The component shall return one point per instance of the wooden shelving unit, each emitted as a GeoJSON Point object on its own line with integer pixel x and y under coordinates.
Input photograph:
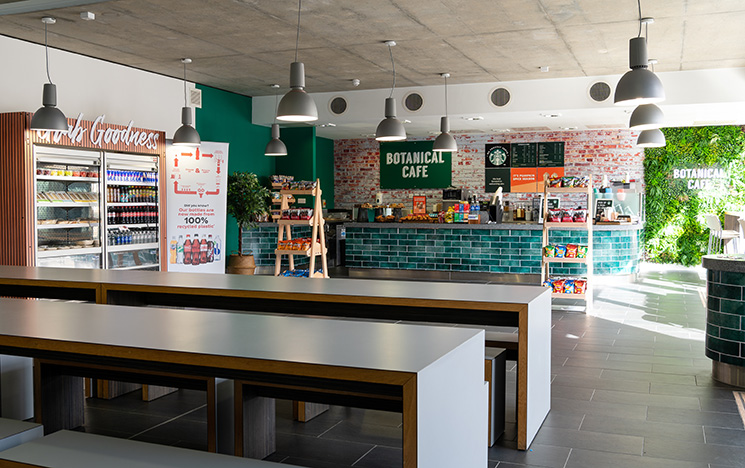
{"type": "Point", "coordinates": [316, 222]}
{"type": "Point", "coordinates": [587, 225]}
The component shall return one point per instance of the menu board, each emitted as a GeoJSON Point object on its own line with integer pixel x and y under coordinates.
{"type": "Point", "coordinates": [498, 177]}
{"type": "Point", "coordinates": [551, 154]}
{"type": "Point", "coordinates": [524, 154]}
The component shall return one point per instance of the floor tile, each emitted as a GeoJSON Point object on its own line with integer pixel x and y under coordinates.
{"type": "Point", "coordinates": [600, 441]}
{"type": "Point", "coordinates": [721, 436]}
{"type": "Point", "coordinates": [538, 455]}
{"type": "Point", "coordinates": [635, 427]}
{"type": "Point", "coordinates": [381, 457]}
{"type": "Point", "coordinates": [648, 377]}
{"type": "Point", "coordinates": [704, 453]}
{"type": "Point", "coordinates": [595, 459]}
{"type": "Point", "coordinates": [669, 401]}
{"type": "Point", "coordinates": [698, 418]}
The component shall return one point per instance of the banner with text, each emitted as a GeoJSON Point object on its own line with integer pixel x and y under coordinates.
{"type": "Point", "coordinates": [196, 191]}
{"type": "Point", "coordinates": [519, 167]}
{"type": "Point", "coordinates": [413, 164]}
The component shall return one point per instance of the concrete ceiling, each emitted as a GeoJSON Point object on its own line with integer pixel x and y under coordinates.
{"type": "Point", "coordinates": [244, 45]}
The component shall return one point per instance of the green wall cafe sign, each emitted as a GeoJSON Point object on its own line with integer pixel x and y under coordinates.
{"type": "Point", "coordinates": [413, 164]}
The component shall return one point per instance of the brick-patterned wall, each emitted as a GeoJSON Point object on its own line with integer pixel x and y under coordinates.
{"type": "Point", "coordinates": [602, 152]}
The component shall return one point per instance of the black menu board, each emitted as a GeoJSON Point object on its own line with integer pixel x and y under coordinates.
{"type": "Point", "coordinates": [524, 154]}
{"type": "Point", "coordinates": [551, 154]}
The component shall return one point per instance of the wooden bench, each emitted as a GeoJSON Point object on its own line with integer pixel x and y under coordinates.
{"type": "Point", "coordinates": [13, 433]}
{"type": "Point", "coordinates": [69, 449]}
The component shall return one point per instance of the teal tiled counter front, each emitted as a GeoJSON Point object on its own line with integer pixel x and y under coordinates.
{"type": "Point", "coordinates": [261, 241]}
{"type": "Point", "coordinates": [725, 317]}
{"type": "Point", "coordinates": [485, 248]}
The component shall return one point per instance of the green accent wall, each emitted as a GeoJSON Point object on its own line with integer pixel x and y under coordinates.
{"type": "Point", "coordinates": [325, 168]}
{"type": "Point", "coordinates": [226, 117]}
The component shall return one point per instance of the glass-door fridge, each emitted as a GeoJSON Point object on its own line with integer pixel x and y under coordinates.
{"type": "Point", "coordinates": [131, 201]}
{"type": "Point", "coordinates": [68, 208]}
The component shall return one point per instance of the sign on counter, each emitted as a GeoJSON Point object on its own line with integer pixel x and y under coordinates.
{"type": "Point", "coordinates": [413, 164]}
{"type": "Point", "coordinates": [196, 188]}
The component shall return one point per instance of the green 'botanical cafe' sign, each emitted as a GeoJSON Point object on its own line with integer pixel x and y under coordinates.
{"type": "Point", "coordinates": [413, 164]}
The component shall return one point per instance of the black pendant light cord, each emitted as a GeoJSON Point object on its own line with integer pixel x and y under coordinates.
{"type": "Point", "coordinates": [46, 52]}
{"type": "Point", "coordinates": [393, 65]}
{"type": "Point", "coordinates": [297, 38]}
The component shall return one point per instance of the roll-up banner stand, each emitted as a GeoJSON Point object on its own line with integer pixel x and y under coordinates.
{"type": "Point", "coordinates": [196, 188]}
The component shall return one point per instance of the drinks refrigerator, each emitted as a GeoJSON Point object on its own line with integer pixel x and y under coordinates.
{"type": "Point", "coordinates": [96, 209]}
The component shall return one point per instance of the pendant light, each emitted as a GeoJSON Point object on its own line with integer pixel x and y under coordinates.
{"type": "Point", "coordinates": [49, 117]}
{"type": "Point", "coordinates": [639, 86]}
{"type": "Point", "coordinates": [445, 141]}
{"type": "Point", "coordinates": [646, 117]}
{"type": "Point", "coordinates": [297, 105]}
{"type": "Point", "coordinates": [390, 128]}
{"type": "Point", "coordinates": [275, 147]}
{"type": "Point", "coordinates": [651, 139]}
{"type": "Point", "coordinates": [186, 135]}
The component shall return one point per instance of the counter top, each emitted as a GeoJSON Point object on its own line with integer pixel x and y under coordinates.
{"type": "Point", "coordinates": [728, 262]}
{"type": "Point", "coordinates": [502, 226]}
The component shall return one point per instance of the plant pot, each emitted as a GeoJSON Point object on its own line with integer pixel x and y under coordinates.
{"type": "Point", "coordinates": [241, 264]}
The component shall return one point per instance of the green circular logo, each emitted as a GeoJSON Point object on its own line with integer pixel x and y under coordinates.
{"type": "Point", "coordinates": [497, 155]}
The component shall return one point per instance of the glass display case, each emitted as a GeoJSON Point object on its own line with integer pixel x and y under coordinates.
{"type": "Point", "coordinates": [621, 202]}
{"type": "Point", "coordinates": [68, 224]}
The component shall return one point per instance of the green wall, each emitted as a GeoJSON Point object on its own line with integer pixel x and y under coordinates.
{"type": "Point", "coordinates": [226, 117]}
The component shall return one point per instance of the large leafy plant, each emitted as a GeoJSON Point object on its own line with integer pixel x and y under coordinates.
{"type": "Point", "coordinates": [675, 231]}
{"type": "Point", "coordinates": [247, 200]}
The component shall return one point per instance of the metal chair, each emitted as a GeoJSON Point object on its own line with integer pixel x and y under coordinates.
{"type": "Point", "coordinates": [718, 237]}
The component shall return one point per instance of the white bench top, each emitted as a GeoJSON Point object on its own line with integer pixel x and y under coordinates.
{"type": "Point", "coordinates": [13, 432]}
{"type": "Point", "coordinates": [68, 449]}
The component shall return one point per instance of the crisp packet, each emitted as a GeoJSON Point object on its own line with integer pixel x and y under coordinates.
{"type": "Point", "coordinates": [554, 216]}
{"type": "Point", "coordinates": [581, 251]}
{"type": "Point", "coordinates": [580, 216]}
{"type": "Point", "coordinates": [549, 282]}
{"type": "Point", "coordinates": [569, 285]}
{"type": "Point", "coordinates": [549, 251]}
{"type": "Point", "coordinates": [566, 217]}
{"type": "Point", "coordinates": [554, 182]}
{"type": "Point", "coordinates": [557, 285]}
{"type": "Point", "coordinates": [567, 181]}
{"type": "Point", "coordinates": [571, 251]}
{"type": "Point", "coordinates": [580, 286]}
{"type": "Point", "coordinates": [561, 251]}
{"type": "Point", "coordinates": [583, 182]}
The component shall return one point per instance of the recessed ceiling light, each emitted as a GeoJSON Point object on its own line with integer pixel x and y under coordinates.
{"type": "Point", "coordinates": [543, 69]}
{"type": "Point", "coordinates": [406, 121]}
{"type": "Point", "coordinates": [550, 115]}
{"type": "Point", "coordinates": [476, 117]}
{"type": "Point", "coordinates": [327, 125]}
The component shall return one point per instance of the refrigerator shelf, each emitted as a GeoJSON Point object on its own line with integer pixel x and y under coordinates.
{"type": "Point", "coordinates": [131, 247]}
{"type": "Point", "coordinates": [66, 225]}
{"type": "Point", "coordinates": [65, 204]}
{"type": "Point", "coordinates": [67, 178]}
{"type": "Point", "coordinates": [136, 267]}
{"type": "Point", "coordinates": [132, 183]}
{"type": "Point", "coordinates": [68, 252]}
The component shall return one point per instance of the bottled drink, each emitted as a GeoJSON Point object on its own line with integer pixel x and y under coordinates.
{"type": "Point", "coordinates": [210, 249]}
{"type": "Point", "coordinates": [180, 250]}
{"type": "Point", "coordinates": [173, 250]}
{"type": "Point", "coordinates": [195, 250]}
{"type": "Point", "coordinates": [203, 251]}
{"type": "Point", "coordinates": [187, 250]}
{"type": "Point", "coordinates": [217, 246]}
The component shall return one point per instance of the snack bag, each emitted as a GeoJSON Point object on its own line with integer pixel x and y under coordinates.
{"type": "Point", "coordinates": [581, 251]}
{"type": "Point", "coordinates": [549, 282]}
{"type": "Point", "coordinates": [580, 286]}
{"type": "Point", "coordinates": [580, 216]}
{"type": "Point", "coordinates": [567, 181]}
{"type": "Point", "coordinates": [554, 182]}
{"type": "Point", "coordinates": [571, 251]}
{"type": "Point", "coordinates": [583, 182]}
{"type": "Point", "coordinates": [554, 216]}
{"type": "Point", "coordinates": [566, 217]}
{"type": "Point", "coordinates": [561, 251]}
{"type": "Point", "coordinates": [557, 285]}
{"type": "Point", "coordinates": [549, 251]}
{"type": "Point", "coordinates": [569, 286]}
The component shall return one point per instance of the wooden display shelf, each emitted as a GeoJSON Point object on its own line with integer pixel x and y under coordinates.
{"type": "Point", "coordinates": [306, 252]}
{"type": "Point", "coordinates": [299, 192]}
{"type": "Point", "coordinates": [565, 225]}
{"type": "Point", "coordinates": [569, 296]}
{"type": "Point", "coordinates": [564, 260]}
{"type": "Point", "coordinates": [568, 189]}
{"type": "Point", "coordinates": [294, 222]}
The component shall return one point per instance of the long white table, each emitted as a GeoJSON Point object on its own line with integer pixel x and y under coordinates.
{"type": "Point", "coordinates": [526, 307]}
{"type": "Point", "coordinates": [435, 374]}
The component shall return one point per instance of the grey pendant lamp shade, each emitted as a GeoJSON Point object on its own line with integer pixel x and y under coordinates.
{"type": "Point", "coordinates": [646, 117]}
{"type": "Point", "coordinates": [390, 128]}
{"type": "Point", "coordinates": [297, 105]}
{"type": "Point", "coordinates": [651, 139]}
{"type": "Point", "coordinates": [640, 85]}
{"type": "Point", "coordinates": [445, 141]}
{"type": "Point", "coordinates": [186, 135]}
{"type": "Point", "coordinates": [275, 147]}
{"type": "Point", "coordinates": [49, 117]}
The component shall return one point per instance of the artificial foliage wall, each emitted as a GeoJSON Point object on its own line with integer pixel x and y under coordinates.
{"type": "Point", "coordinates": [700, 170]}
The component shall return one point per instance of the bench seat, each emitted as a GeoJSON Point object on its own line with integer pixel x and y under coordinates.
{"type": "Point", "coordinates": [69, 449]}
{"type": "Point", "coordinates": [13, 432]}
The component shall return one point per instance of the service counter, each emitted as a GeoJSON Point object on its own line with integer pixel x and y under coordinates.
{"type": "Point", "coordinates": [725, 317]}
{"type": "Point", "coordinates": [509, 248]}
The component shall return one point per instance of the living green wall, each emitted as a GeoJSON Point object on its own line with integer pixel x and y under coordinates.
{"type": "Point", "coordinates": [226, 117]}
{"type": "Point", "coordinates": [675, 230]}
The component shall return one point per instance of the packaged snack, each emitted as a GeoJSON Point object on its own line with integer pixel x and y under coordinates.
{"type": "Point", "coordinates": [580, 286]}
{"type": "Point", "coordinates": [580, 216]}
{"type": "Point", "coordinates": [557, 285]}
{"type": "Point", "coordinates": [561, 251]}
{"type": "Point", "coordinates": [571, 251]}
{"type": "Point", "coordinates": [549, 282]}
{"type": "Point", "coordinates": [554, 216]}
{"type": "Point", "coordinates": [569, 286]}
{"type": "Point", "coordinates": [581, 251]}
{"type": "Point", "coordinates": [566, 217]}
{"type": "Point", "coordinates": [583, 182]}
{"type": "Point", "coordinates": [549, 251]}
{"type": "Point", "coordinates": [554, 182]}
{"type": "Point", "coordinates": [567, 181]}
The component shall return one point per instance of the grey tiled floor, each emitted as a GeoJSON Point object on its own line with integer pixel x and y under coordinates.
{"type": "Point", "coordinates": [630, 388]}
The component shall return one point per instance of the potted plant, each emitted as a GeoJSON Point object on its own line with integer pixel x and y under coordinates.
{"type": "Point", "coordinates": [247, 201]}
